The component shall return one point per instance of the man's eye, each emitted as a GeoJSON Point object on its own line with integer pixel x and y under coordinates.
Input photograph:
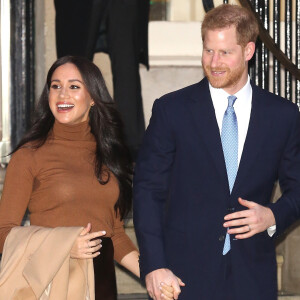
{"type": "Point", "coordinates": [208, 52]}
{"type": "Point", "coordinates": [74, 87]}
{"type": "Point", "coordinates": [55, 86]}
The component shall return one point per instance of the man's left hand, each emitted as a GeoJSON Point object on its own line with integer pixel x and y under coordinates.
{"type": "Point", "coordinates": [255, 219]}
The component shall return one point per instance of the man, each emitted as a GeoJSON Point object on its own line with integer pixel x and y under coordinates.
{"type": "Point", "coordinates": [119, 28]}
{"type": "Point", "coordinates": [213, 151]}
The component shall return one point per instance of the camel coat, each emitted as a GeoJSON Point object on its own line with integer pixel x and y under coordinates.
{"type": "Point", "coordinates": [36, 264]}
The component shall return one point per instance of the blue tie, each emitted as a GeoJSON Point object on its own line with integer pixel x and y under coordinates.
{"type": "Point", "coordinates": [229, 138]}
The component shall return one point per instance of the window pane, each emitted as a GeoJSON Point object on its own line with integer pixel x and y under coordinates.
{"type": "Point", "coordinates": [158, 10]}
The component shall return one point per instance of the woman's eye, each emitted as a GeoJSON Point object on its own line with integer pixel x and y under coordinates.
{"type": "Point", "coordinates": [74, 87]}
{"type": "Point", "coordinates": [55, 86]}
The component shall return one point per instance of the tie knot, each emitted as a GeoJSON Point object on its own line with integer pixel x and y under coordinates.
{"type": "Point", "coordinates": [231, 100]}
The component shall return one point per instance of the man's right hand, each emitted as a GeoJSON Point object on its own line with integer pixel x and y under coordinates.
{"type": "Point", "coordinates": [154, 280]}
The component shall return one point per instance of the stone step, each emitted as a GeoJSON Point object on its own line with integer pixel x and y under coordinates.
{"type": "Point", "coordinates": [144, 296]}
{"type": "Point", "coordinates": [132, 297]}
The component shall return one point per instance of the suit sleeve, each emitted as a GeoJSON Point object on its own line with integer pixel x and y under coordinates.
{"type": "Point", "coordinates": [151, 186]}
{"type": "Point", "coordinates": [287, 209]}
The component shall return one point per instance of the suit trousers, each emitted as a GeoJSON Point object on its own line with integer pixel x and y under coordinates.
{"type": "Point", "coordinates": [77, 29]}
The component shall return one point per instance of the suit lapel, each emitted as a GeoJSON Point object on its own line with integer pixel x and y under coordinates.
{"type": "Point", "coordinates": [204, 118]}
{"type": "Point", "coordinates": [255, 136]}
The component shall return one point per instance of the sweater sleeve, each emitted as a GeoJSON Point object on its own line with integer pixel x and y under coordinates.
{"type": "Point", "coordinates": [122, 243]}
{"type": "Point", "coordinates": [17, 190]}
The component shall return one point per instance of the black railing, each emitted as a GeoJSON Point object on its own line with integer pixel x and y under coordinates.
{"type": "Point", "coordinates": [270, 63]}
{"type": "Point", "coordinates": [280, 61]}
{"type": "Point", "coordinates": [297, 50]}
{"type": "Point", "coordinates": [22, 67]}
{"type": "Point", "coordinates": [17, 72]}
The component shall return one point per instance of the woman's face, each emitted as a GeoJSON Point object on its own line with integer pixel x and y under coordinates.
{"type": "Point", "coordinates": [69, 100]}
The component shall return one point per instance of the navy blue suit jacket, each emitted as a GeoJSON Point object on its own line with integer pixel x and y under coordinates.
{"type": "Point", "coordinates": [181, 193]}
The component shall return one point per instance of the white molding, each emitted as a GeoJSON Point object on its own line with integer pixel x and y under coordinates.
{"type": "Point", "coordinates": [175, 43]}
{"type": "Point", "coordinates": [180, 43]}
{"type": "Point", "coordinates": [5, 144]}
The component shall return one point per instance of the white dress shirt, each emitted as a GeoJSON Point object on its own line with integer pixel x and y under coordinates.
{"type": "Point", "coordinates": [242, 107]}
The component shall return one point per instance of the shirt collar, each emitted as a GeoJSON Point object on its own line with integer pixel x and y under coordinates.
{"type": "Point", "coordinates": [243, 93]}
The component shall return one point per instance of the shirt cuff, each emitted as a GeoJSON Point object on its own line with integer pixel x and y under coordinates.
{"type": "Point", "coordinates": [271, 230]}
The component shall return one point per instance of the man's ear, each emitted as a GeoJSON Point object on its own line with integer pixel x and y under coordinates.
{"type": "Point", "coordinates": [249, 50]}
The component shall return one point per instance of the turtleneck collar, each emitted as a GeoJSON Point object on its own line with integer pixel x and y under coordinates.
{"type": "Point", "coordinates": [74, 132]}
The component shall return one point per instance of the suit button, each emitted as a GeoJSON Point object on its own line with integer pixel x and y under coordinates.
{"type": "Point", "coordinates": [221, 238]}
{"type": "Point", "coordinates": [231, 209]}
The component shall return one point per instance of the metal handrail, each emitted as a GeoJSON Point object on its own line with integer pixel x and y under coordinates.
{"type": "Point", "coordinates": [269, 42]}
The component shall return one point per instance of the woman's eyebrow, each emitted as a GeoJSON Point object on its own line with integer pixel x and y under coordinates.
{"type": "Point", "coordinates": [70, 80]}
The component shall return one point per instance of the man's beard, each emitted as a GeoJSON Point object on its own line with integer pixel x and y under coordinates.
{"type": "Point", "coordinates": [231, 78]}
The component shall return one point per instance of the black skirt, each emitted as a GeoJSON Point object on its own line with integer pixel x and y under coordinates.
{"type": "Point", "coordinates": [104, 269]}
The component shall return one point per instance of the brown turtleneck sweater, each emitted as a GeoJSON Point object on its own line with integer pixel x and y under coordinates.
{"type": "Point", "coordinates": [58, 185]}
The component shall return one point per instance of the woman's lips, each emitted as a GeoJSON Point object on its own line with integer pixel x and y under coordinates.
{"type": "Point", "coordinates": [64, 107]}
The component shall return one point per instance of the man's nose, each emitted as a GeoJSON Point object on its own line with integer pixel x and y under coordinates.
{"type": "Point", "coordinates": [215, 60]}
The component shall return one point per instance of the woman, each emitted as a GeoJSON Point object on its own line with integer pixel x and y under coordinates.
{"type": "Point", "coordinates": [72, 169]}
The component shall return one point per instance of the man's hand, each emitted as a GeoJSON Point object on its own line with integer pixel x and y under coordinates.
{"type": "Point", "coordinates": [156, 279]}
{"type": "Point", "coordinates": [256, 219]}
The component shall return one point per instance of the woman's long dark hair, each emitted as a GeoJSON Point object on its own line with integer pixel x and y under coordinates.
{"type": "Point", "coordinates": [105, 123]}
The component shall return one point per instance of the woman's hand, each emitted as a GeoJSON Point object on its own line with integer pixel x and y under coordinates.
{"type": "Point", "coordinates": [166, 291]}
{"type": "Point", "coordinates": [87, 244]}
